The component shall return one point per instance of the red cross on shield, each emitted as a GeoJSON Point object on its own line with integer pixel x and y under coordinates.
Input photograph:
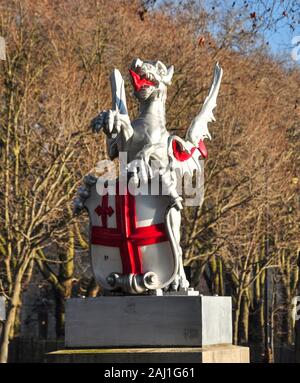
{"type": "Point", "coordinates": [128, 236]}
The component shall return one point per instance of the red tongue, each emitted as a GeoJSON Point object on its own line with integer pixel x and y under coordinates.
{"type": "Point", "coordinates": [202, 148]}
{"type": "Point", "coordinates": [139, 82]}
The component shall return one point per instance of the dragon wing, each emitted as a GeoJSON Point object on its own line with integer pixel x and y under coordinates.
{"type": "Point", "coordinates": [184, 154]}
{"type": "Point", "coordinates": [198, 129]}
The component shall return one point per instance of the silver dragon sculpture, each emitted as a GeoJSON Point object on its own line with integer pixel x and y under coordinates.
{"type": "Point", "coordinates": [147, 139]}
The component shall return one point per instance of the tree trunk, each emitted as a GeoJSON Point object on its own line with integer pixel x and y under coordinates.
{"type": "Point", "coordinates": [60, 297]}
{"type": "Point", "coordinates": [10, 319]}
{"type": "Point", "coordinates": [236, 318]}
{"type": "Point", "coordinates": [66, 272]}
{"type": "Point", "coordinates": [287, 322]}
{"type": "Point", "coordinates": [244, 320]}
{"type": "Point", "coordinates": [15, 329]}
{"type": "Point", "coordinates": [257, 313]}
{"type": "Point", "coordinates": [8, 324]}
{"type": "Point", "coordinates": [221, 278]}
{"type": "Point", "coordinates": [59, 314]}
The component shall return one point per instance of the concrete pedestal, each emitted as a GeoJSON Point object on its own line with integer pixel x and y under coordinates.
{"type": "Point", "coordinates": [208, 354]}
{"type": "Point", "coordinates": [148, 321]}
{"type": "Point", "coordinates": [149, 329]}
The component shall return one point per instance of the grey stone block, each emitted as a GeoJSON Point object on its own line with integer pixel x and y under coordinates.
{"type": "Point", "coordinates": [2, 309]}
{"type": "Point", "coordinates": [148, 321]}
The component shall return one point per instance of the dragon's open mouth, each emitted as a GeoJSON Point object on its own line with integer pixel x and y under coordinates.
{"type": "Point", "coordinates": [139, 82]}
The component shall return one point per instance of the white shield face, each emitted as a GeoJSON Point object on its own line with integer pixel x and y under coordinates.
{"type": "Point", "coordinates": [128, 236]}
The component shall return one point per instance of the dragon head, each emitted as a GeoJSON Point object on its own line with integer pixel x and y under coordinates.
{"type": "Point", "coordinates": [150, 79]}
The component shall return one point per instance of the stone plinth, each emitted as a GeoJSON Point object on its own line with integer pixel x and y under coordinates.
{"type": "Point", "coordinates": [208, 354]}
{"type": "Point", "coordinates": [148, 321]}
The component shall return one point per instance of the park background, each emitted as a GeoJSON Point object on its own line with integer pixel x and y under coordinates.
{"type": "Point", "coordinates": [243, 241]}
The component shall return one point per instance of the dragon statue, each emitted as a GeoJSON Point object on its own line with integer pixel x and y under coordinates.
{"type": "Point", "coordinates": [135, 237]}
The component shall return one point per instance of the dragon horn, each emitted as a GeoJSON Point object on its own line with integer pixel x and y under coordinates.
{"type": "Point", "coordinates": [167, 79]}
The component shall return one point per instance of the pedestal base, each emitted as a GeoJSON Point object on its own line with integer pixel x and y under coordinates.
{"type": "Point", "coordinates": [209, 354]}
{"type": "Point", "coordinates": [148, 321]}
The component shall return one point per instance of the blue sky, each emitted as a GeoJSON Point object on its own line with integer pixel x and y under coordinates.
{"type": "Point", "coordinates": [275, 22]}
{"type": "Point", "coordinates": [278, 35]}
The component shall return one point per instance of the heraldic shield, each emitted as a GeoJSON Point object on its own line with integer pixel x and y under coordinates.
{"type": "Point", "coordinates": [130, 243]}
